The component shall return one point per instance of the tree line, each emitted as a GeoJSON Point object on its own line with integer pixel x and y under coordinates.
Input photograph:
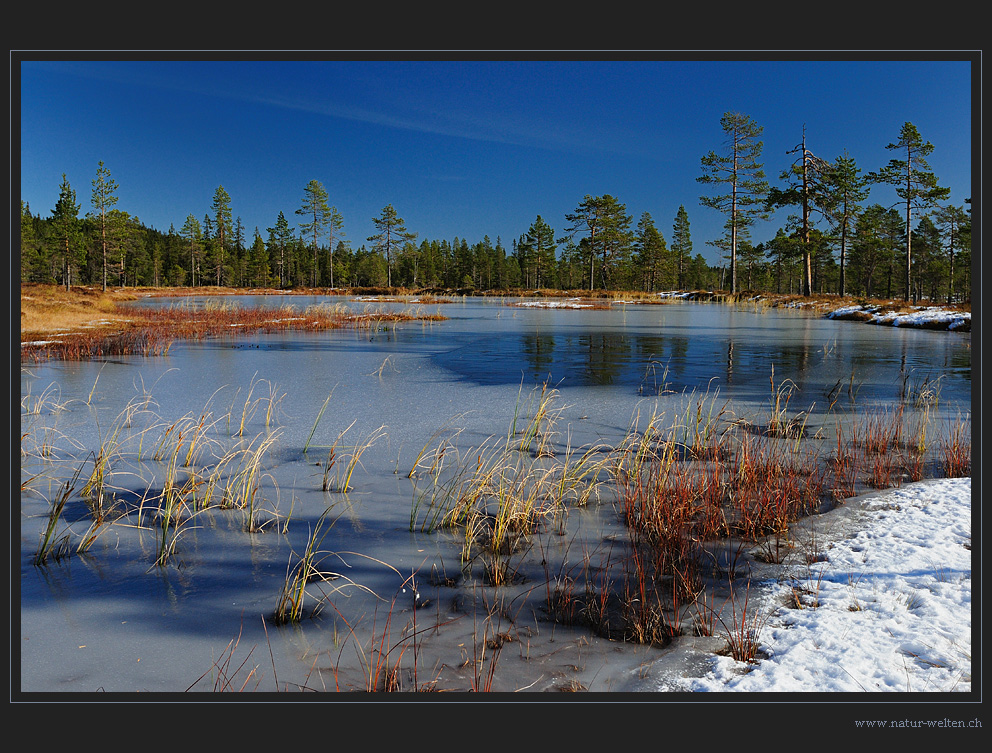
{"type": "Point", "coordinates": [919, 247]}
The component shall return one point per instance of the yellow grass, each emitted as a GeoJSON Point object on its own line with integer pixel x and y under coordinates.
{"type": "Point", "coordinates": [47, 309]}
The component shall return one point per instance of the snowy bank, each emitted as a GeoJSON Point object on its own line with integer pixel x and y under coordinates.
{"type": "Point", "coordinates": [887, 607]}
{"type": "Point", "coordinates": [931, 317]}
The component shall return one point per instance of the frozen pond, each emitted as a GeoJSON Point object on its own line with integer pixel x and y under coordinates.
{"type": "Point", "coordinates": [403, 397]}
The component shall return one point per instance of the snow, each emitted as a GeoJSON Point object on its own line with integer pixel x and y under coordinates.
{"type": "Point", "coordinates": [918, 317]}
{"type": "Point", "coordinates": [887, 609]}
{"type": "Point", "coordinates": [568, 304]}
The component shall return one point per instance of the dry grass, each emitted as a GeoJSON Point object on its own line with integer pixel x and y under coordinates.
{"type": "Point", "coordinates": [47, 309]}
{"type": "Point", "coordinates": [86, 323]}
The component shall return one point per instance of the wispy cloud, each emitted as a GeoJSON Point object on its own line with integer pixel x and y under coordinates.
{"type": "Point", "coordinates": [507, 126]}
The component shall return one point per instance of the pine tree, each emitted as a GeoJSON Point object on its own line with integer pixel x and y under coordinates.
{"type": "Point", "coordinates": [103, 199]}
{"type": "Point", "coordinates": [322, 219]}
{"type": "Point", "coordinates": [915, 185]}
{"type": "Point", "coordinates": [740, 170]}
{"type": "Point", "coordinates": [804, 188]}
{"type": "Point", "coordinates": [538, 247]}
{"type": "Point", "coordinates": [606, 223]}
{"type": "Point", "coordinates": [951, 221]}
{"type": "Point", "coordinates": [846, 188]}
{"type": "Point", "coordinates": [681, 243]}
{"type": "Point", "coordinates": [392, 234]}
{"type": "Point", "coordinates": [873, 245]}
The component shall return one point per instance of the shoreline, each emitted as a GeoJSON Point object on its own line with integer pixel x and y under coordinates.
{"type": "Point", "coordinates": [47, 310]}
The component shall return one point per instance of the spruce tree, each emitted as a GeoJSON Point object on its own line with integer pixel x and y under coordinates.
{"type": "Point", "coordinates": [65, 220]}
{"type": "Point", "coordinates": [952, 221]}
{"type": "Point", "coordinates": [681, 243]}
{"type": "Point", "coordinates": [280, 238]}
{"type": "Point", "coordinates": [221, 208]}
{"type": "Point", "coordinates": [652, 253]}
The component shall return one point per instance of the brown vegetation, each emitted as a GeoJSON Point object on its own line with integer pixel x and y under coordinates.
{"type": "Point", "coordinates": [86, 323]}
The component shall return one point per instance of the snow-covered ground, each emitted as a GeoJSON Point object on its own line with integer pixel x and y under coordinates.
{"type": "Point", "coordinates": [888, 607]}
{"type": "Point", "coordinates": [918, 317]}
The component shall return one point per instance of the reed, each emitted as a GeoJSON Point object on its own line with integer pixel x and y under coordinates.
{"type": "Point", "coordinates": [341, 481]}
{"type": "Point", "coordinates": [539, 431]}
{"type": "Point", "coordinates": [650, 383]}
{"type": "Point", "coordinates": [290, 604]}
{"type": "Point", "coordinates": [955, 448]}
{"type": "Point", "coordinates": [95, 487]}
{"type": "Point", "coordinates": [173, 515]}
{"type": "Point", "coordinates": [309, 569]}
{"type": "Point", "coordinates": [744, 631]}
{"type": "Point", "coordinates": [47, 402]}
{"type": "Point", "coordinates": [244, 484]}
{"type": "Point", "coordinates": [438, 454]}
{"type": "Point", "coordinates": [317, 420]}
{"type": "Point", "coordinates": [226, 674]}
{"type": "Point", "coordinates": [701, 422]}
{"type": "Point", "coordinates": [54, 544]}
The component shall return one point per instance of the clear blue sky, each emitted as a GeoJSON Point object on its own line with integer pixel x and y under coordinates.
{"type": "Point", "coordinates": [462, 147]}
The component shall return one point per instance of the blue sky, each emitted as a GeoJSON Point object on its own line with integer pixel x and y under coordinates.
{"type": "Point", "coordinates": [463, 147]}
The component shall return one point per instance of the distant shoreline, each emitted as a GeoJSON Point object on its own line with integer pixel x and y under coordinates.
{"type": "Point", "coordinates": [48, 310]}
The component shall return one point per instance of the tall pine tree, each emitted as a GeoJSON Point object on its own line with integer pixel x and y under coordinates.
{"type": "Point", "coordinates": [804, 189]}
{"type": "Point", "coordinates": [739, 171]}
{"type": "Point", "coordinates": [608, 236]}
{"type": "Point", "coordinates": [391, 235]}
{"type": "Point", "coordinates": [104, 198]}
{"type": "Point", "coordinates": [846, 188]}
{"type": "Point", "coordinates": [915, 185]}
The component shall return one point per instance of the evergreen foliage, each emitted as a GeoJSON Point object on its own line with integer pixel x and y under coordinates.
{"type": "Point", "coordinates": [739, 172]}
{"type": "Point", "coordinates": [915, 184]}
{"type": "Point", "coordinates": [845, 248]}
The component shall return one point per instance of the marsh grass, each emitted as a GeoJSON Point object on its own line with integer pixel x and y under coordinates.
{"type": "Point", "coordinates": [228, 676]}
{"type": "Point", "coordinates": [152, 331]}
{"type": "Point", "coordinates": [291, 601]}
{"type": "Point", "coordinates": [308, 569]}
{"type": "Point", "coordinates": [316, 421]}
{"type": "Point", "coordinates": [54, 543]}
{"type": "Point", "coordinates": [243, 486]}
{"type": "Point", "coordinates": [338, 479]}
{"type": "Point", "coordinates": [95, 488]}
{"type": "Point", "coordinates": [677, 484]}
{"type": "Point", "coordinates": [744, 628]}
{"type": "Point", "coordinates": [506, 489]}
{"type": "Point", "coordinates": [955, 448]}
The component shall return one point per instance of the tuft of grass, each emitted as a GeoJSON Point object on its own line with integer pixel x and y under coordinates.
{"type": "Point", "coordinates": [54, 544]}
